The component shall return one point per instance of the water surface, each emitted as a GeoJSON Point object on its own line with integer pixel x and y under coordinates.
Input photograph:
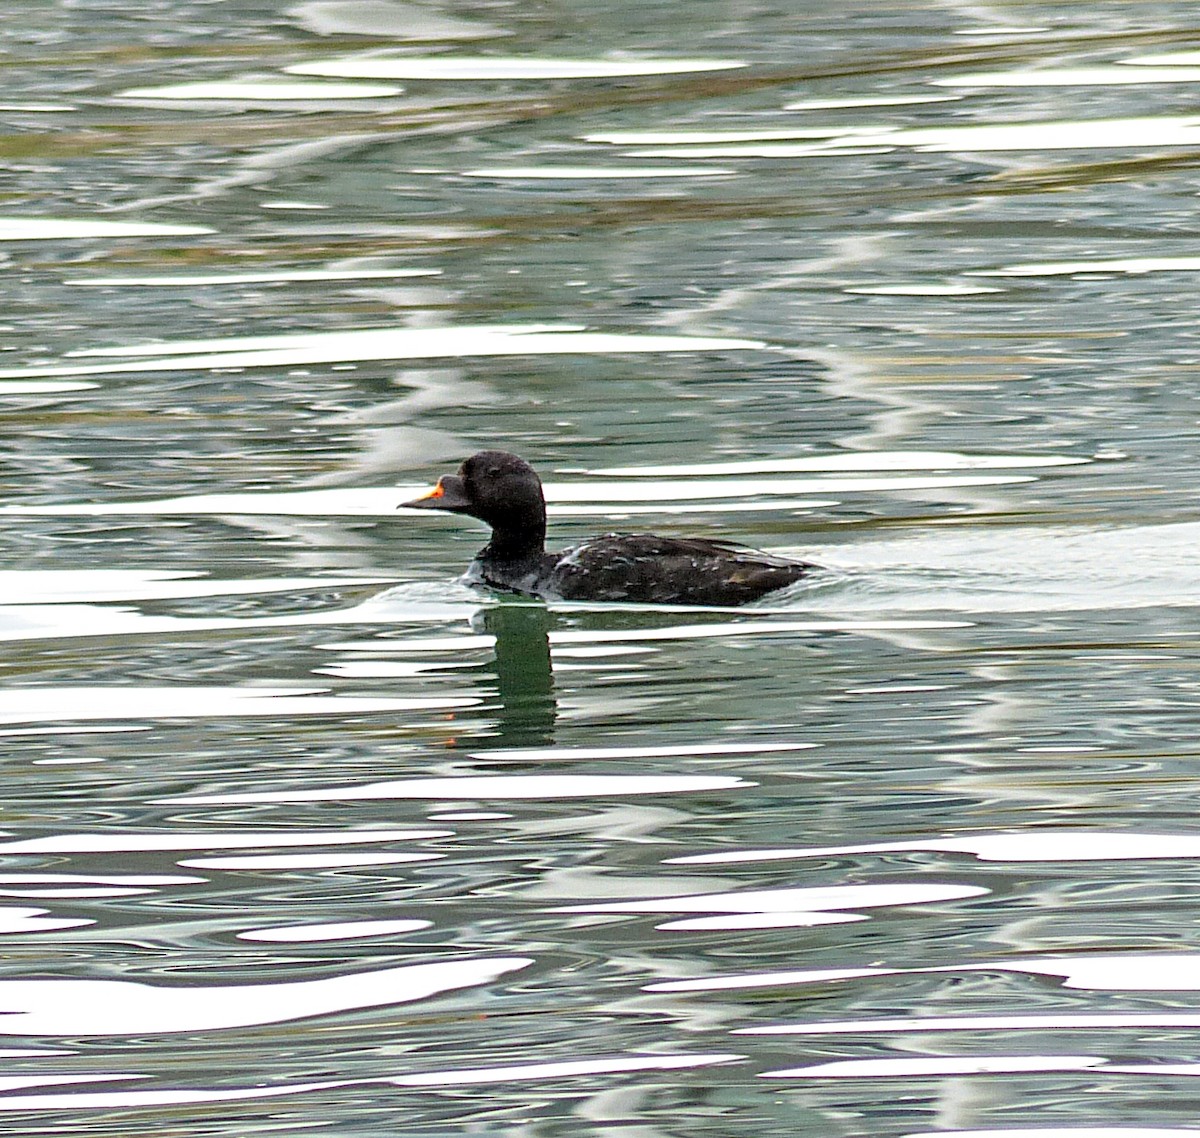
{"type": "Point", "coordinates": [300, 833]}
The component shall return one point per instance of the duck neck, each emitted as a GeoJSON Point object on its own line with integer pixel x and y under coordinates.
{"type": "Point", "coordinates": [516, 545]}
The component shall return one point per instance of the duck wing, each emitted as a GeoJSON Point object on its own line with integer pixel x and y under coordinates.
{"type": "Point", "coordinates": [648, 569]}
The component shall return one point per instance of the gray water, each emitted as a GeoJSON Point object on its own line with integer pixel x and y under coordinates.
{"type": "Point", "coordinates": [300, 833]}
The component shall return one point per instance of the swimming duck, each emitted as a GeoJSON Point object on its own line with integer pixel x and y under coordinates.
{"type": "Point", "coordinates": [505, 492]}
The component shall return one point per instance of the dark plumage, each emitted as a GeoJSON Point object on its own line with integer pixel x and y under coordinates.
{"type": "Point", "coordinates": [505, 491]}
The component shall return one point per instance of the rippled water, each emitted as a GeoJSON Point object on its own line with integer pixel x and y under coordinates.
{"type": "Point", "coordinates": [300, 833]}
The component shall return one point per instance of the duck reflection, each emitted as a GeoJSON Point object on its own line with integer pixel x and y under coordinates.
{"type": "Point", "coordinates": [524, 677]}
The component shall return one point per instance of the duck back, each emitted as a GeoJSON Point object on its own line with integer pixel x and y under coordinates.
{"type": "Point", "coordinates": [648, 569]}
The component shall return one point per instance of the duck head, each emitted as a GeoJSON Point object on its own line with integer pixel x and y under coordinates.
{"type": "Point", "coordinates": [500, 489]}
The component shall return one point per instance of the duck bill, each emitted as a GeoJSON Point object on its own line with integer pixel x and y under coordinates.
{"type": "Point", "coordinates": [448, 494]}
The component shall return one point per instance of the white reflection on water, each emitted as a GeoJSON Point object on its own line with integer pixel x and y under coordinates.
{"type": "Point", "coordinates": [521, 787]}
{"type": "Point", "coordinates": [529, 1071]}
{"type": "Point", "coordinates": [922, 290]}
{"type": "Point", "coordinates": [48, 586]}
{"type": "Point", "coordinates": [1001, 30]}
{"type": "Point", "coordinates": [125, 842]}
{"type": "Point", "coordinates": [772, 920]}
{"type": "Point", "coordinates": [1165, 59]}
{"type": "Point", "coordinates": [454, 644]}
{"type": "Point", "coordinates": [53, 704]}
{"type": "Point", "coordinates": [276, 276]}
{"type": "Point", "coordinates": [580, 173]}
{"type": "Point", "coordinates": [1134, 266]}
{"type": "Point", "coordinates": [1029, 845]}
{"type": "Point", "coordinates": [600, 1065]}
{"type": "Point", "coordinates": [77, 892]}
{"type": "Point", "coordinates": [400, 334]}
{"type": "Point", "coordinates": [768, 979]}
{"type": "Point", "coordinates": [618, 512]}
{"type": "Point", "coordinates": [18, 1082]}
{"type": "Point", "coordinates": [372, 344]}
{"type": "Point", "coordinates": [67, 229]}
{"type": "Point", "coordinates": [1062, 1132]}
{"type": "Point", "coordinates": [745, 628]}
{"type": "Point", "coordinates": [1110, 76]}
{"type": "Point", "coordinates": [393, 19]}
{"type": "Point", "coordinates": [89, 879]}
{"type": "Point", "coordinates": [721, 137]}
{"type": "Point", "coordinates": [937, 1066]}
{"type": "Point", "coordinates": [754, 487]}
{"type": "Point", "coordinates": [599, 652]}
{"type": "Point", "coordinates": [1015, 569]}
{"type": "Point", "coordinates": [14, 920]}
{"type": "Point", "coordinates": [31, 1052]}
{"type": "Point", "coordinates": [468, 816]}
{"type": "Point", "coordinates": [1066, 1021]}
{"type": "Point", "coordinates": [1062, 134]}
{"type": "Point", "coordinates": [543, 754]}
{"type": "Point", "coordinates": [1189, 1070]}
{"type": "Point", "coordinates": [1127, 972]}
{"type": "Point", "coordinates": [340, 930]}
{"type": "Point", "coordinates": [393, 669]}
{"type": "Point", "coordinates": [307, 861]}
{"type": "Point", "coordinates": [294, 205]}
{"type": "Point", "coordinates": [261, 91]}
{"type": "Point", "coordinates": [367, 502]}
{"type": "Point", "coordinates": [122, 1007]}
{"type": "Point", "coordinates": [867, 101]}
{"type": "Point", "coordinates": [74, 621]}
{"type": "Point", "coordinates": [44, 387]}
{"type": "Point", "coordinates": [788, 907]}
{"type": "Point", "coordinates": [1131, 972]}
{"type": "Point", "coordinates": [82, 730]}
{"type": "Point", "coordinates": [843, 462]}
{"type": "Point", "coordinates": [502, 67]}
{"type": "Point", "coordinates": [111, 1100]}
